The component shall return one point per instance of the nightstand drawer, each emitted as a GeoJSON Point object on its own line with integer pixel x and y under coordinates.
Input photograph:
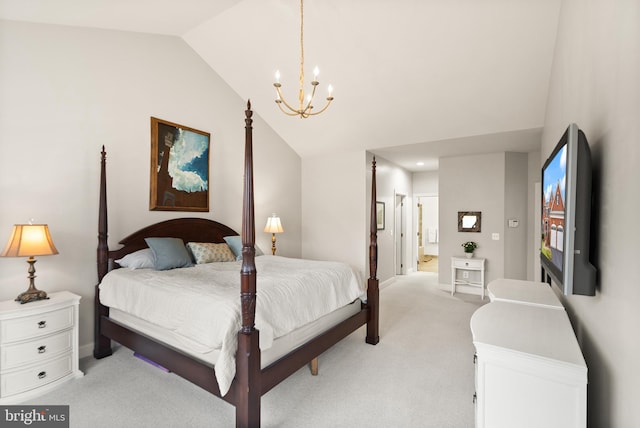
{"type": "Point", "coordinates": [467, 264]}
{"type": "Point", "coordinates": [40, 349]}
{"type": "Point", "coordinates": [36, 325]}
{"type": "Point", "coordinates": [35, 376]}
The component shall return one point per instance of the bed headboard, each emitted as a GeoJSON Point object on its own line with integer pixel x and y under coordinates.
{"type": "Point", "coordinates": [188, 229]}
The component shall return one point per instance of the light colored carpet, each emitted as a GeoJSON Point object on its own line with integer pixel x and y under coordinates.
{"type": "Point", "coordinates": [419, 375]}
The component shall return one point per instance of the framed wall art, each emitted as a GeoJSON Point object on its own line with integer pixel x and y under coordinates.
{"type": "Point", "coordinates": [380, 215]}
{"type": "Point", "coordinates": [179, 167]}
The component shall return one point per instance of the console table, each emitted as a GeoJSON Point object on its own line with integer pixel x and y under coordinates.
{"type": "Point", "coordinates": [467, 267]}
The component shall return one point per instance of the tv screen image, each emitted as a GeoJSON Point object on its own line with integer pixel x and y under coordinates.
{"type": "Point", "coordinates": [566, 215]}
{"type": "Point", "coordinates": [553, 212]}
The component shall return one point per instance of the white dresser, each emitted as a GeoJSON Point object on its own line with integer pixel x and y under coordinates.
{"type": "Point", "coordinates": [38, 346]}
{"type": "Point", "coordinates": [530, 372]}
{"type": "Point", "coordinates": [467, 271]}
{"type": "Point", "coordinates": [523, 292]}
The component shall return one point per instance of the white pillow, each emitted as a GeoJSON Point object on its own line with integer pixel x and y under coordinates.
{"type": "Point", "coordinates": [141, 259]}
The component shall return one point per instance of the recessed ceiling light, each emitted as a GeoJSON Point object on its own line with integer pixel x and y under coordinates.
{"type": "Point", "coordinates": [420, 163]}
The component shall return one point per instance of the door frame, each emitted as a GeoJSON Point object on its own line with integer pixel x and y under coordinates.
{"type": "Point", "coordinates": [400, 228]}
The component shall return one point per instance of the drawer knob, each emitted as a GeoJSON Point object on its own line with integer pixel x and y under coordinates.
{"type": "Point", "coordinates": [466, 263]}
{"type": "Point", "coordinates": [42, 375]}
{"type": "Point", "coordinates": [42, 324]}
{"type": "Point", "coordinates": [42, 349]}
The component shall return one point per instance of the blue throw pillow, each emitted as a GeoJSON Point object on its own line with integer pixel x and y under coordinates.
{"type": "Point", "coordinates": [235, 243]}
{"type": "Point", "coordinates": [169, 253]}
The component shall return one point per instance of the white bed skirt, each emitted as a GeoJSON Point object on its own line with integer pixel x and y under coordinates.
{"type": "Point", "coordinates": [280, 347]}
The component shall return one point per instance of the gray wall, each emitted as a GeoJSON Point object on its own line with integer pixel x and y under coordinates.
{"type": "Point", "coordinates": [594, 83]}
{"type": "Point", "coordinates": [472, 183]}
{"type": "Point", "coordinates": [500, 186]}
{"type": "Point", "coordinates": [533, 239]}
{"type": "Point", "coordinates": [516, 197]}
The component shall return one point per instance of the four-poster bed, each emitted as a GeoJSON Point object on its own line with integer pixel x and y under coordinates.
{"type": "Point", "coordinates": [255, 375]}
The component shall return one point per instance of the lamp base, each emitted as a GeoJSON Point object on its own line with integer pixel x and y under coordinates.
{"type": "Point", "coordinates": [31, 295]}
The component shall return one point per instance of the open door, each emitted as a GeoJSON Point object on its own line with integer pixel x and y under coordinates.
{"type": "Point", "coordinates": [428, 233]}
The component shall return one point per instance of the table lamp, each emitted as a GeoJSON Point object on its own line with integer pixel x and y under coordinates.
{"type": "Point", "coordinates": [29, 240]}
{"type": "Point", "coordinates": [273, 226]}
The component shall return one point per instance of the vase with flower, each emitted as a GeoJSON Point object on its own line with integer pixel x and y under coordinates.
{"type": "Point", "coordinates": [469, 248]}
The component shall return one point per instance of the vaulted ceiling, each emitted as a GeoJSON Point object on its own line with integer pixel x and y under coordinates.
{"type": "Point", "coordinates": [413, 79]}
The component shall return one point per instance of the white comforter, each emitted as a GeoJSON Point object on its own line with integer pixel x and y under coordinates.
{"type": "Point", "coordinates": [202, 303]}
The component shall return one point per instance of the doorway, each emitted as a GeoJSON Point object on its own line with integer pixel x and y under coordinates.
{"type": "Point", "coordinates": [428, 235]}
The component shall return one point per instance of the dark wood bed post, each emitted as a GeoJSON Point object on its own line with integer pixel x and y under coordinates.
{"type": "Point", "coordinates": [101, 344]}
{"type": "Point", "coordinates": [373, 292]}
{"type": "Point", "coordinates": [248, 355]}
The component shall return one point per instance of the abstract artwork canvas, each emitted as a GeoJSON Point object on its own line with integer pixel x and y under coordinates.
{"type": "Point", "coordinates": [179, 167]}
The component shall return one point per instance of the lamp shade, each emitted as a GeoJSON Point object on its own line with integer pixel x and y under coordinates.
{"type": "Point", "coordinates": [29, 240]}
{"type": "Point", "coordinates": [273, 225]}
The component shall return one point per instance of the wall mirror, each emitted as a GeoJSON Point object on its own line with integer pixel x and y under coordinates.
{"type": "Point", "coordinates": [469, 221]}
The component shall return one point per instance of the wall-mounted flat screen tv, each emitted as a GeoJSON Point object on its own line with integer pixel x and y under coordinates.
{"type": "Point", "coordinates": [566, 215]}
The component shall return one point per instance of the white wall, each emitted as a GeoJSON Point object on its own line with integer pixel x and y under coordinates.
{"type": "Point", "coordinates": [334, 208]}
{"type": "Point", "coordinates": [336, 194]}
{"type": "Point", "coordinates": [594, 83]}
{"type": "Point", "coordinates": [393, 180]}
{"type": "Point", "coordinates": [425, 183]}
{"type": "Point", "coordinates": [66, 92]}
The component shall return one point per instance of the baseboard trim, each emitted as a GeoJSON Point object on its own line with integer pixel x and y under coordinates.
{"type": "Point", "coordinates": [86, 350]}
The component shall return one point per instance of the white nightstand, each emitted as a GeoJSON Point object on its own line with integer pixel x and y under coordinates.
{"type": "Point", "coordinates": [38, 346]}
{"type": "Point", "coordinates": [466, 266]}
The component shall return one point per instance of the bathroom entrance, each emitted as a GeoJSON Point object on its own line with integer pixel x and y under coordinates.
{"type": "Point", "coordinates": [427, 235]}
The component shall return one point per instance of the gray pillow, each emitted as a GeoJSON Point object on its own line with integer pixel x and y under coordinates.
{"type": "Point", "coordinates": [169, 253]}
{"type": "Point", "coordinates": [235, 243]}
{"type": "Point", "coordinates": [141, 259]}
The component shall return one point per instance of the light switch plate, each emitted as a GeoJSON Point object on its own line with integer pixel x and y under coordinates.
{"type": "Point", "coordinates": [495, 236]}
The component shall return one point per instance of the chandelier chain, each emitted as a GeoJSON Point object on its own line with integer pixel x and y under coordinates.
{"type": "Point", "coordinates": [301, 93]}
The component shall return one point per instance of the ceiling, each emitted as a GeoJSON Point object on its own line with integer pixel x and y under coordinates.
{"type": "Point", "coordinates": [414, 79]}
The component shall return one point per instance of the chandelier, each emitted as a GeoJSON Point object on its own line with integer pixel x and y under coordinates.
{"type": "Point", "coordinates": [305, 106]}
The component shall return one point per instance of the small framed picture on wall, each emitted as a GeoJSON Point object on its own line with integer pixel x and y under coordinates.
{"type": "Point", "coordinates": [380, 215]}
